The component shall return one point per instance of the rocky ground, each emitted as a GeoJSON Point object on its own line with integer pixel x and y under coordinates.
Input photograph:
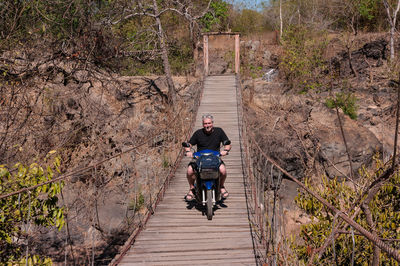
{"type": "Point", "coordinates": [303, 135]}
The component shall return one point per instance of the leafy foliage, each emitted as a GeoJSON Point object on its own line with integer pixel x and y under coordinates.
{"type": "Point", "coordinates": [344, 101]}
{"type": "Point", "coordinates": [215, 18]}
{"type": "Point", "coordinates": [302, 61]}
{"type": "Point", "coordinates": [385, 212]}
{"type": "Point", "coordinates": [366, 8]}
{"type": "Point", "coordinates": [37, 207]}
{"type": "Point", "coordinates": [35, 260]}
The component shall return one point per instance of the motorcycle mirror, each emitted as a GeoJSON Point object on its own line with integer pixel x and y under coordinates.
{"type": "Point", "coordinates": [226, 142]}
{"type": "Point", "coordinates": [185, 144]}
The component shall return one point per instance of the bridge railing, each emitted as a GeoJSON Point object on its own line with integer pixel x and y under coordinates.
{"type": "Point", "coordinates": [262, 183]}
{"type": "Point", "coordinates": [263, 177]}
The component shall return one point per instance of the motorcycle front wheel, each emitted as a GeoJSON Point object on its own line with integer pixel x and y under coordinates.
{"type": "Point", "coordinates": [209, 204]}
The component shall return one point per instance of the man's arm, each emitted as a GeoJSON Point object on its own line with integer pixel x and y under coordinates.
{"type": "Point", "coordinates": [228, 147]}
{"type": "Point", "coordinates": [192, 142]}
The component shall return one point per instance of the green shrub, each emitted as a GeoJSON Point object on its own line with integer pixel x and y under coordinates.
{"type": "Point", "coordinates": [38, 207]}
{"type": "Point", "coordinates": [138, 203]}
{"type": "Point", "coordinates": [344, 101]}
{"type": "Point", "coordinates": [384, 209]}
{"type": "Point", "coordinates": [302, 62]}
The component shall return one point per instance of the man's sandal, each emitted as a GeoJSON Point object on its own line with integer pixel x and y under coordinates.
{"type": "Point", "coordinates": [224, 193]}
{"type": "Point", "coordinates": [189, 196]}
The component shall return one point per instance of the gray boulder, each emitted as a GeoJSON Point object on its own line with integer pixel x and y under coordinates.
{"type": "Point", "coordinates": [362, 143]}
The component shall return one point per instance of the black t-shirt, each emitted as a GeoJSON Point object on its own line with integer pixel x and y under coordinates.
{"type": "Point", "coordinates": [208, 142]}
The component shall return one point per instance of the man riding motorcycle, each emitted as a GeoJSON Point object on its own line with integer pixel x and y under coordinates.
{"type": "Point", "coordinates": [207, 138]}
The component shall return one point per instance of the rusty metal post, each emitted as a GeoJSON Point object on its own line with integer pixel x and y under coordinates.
{"type": "Point", "coordinates": [237, 54]}
{"type": "Point", "coordinates": [205, 54]}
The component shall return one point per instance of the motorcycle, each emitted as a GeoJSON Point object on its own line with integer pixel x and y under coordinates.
{"type": "Point", "coordinates": [207, 185]}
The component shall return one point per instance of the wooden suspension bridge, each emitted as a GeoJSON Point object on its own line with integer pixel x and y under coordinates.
{"type": "Point", "coordinates": [178, 234]}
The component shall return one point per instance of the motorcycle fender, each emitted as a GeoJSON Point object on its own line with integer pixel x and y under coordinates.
{"type": "Point", "coordinates": [209, 184]}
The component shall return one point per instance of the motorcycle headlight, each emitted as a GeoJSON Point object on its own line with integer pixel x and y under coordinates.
{"type": "Point", "coordinates": [208, 174]}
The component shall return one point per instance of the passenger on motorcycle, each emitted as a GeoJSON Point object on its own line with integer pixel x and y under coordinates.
{"type": "Point", "coordinates": [208, 137]}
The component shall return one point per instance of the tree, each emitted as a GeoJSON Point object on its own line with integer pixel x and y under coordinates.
{"type": "Point", "coordinates": [392, 18]}
{"type": "Point", "coordinates": [156, 10]}
{"type": "Point", "coordinates": [197, 13]}
{"type": "Point", "coordinates": [302, 61]}
{"type": "Point", "coordinates": [164, 55]}
{"type": "Point", "coordinates": [248, 21]}
{"type": "Point", "coordinates": [152, 10]}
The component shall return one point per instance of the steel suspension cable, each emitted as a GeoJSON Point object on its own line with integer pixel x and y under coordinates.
{"type": "Point", "coordinates": [84, 169]}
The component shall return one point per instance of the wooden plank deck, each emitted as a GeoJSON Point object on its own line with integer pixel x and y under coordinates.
{"type": "Point", "coordinates": [178, 234]}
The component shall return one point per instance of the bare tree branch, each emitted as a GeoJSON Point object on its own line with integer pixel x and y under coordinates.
{"type": "Point", "coordinates": [392, 18]}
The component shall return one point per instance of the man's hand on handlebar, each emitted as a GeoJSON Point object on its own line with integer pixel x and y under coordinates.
{"type": "Point", "coordinates": [188, 150]}
{"type": "Point", "coordinates": [224, 152]}
{"type": "Point", "coordinates": [227, 148]}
